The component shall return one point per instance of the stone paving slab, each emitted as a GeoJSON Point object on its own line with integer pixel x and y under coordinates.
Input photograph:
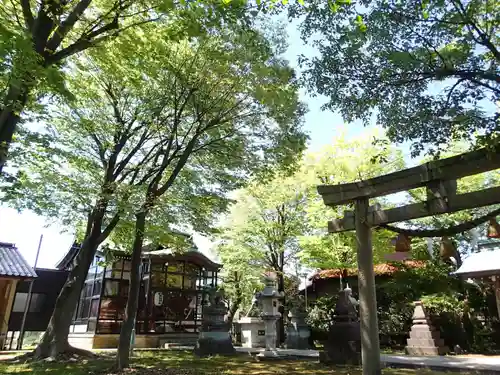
{"type": "Point", "coordinates": [474, 364]}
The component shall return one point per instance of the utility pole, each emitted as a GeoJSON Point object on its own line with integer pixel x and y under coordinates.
{"type": "Point", "coordinates": [28, 300]}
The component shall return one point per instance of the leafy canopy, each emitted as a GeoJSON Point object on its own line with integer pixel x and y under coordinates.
{"type": "Point", "coordinates": [345, 160]}
{"type": "Point", "coordinates": [428, 70]}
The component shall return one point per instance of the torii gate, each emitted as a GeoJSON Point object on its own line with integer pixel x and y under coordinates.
{"type": "Point", "coordinates": [440, 179]}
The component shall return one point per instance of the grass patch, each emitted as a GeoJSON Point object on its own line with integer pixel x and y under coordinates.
{"type": "Point", "coordinates": [185, 363]}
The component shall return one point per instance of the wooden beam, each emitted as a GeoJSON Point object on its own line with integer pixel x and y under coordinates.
{"type": "Point", "coordinates": [449, 169]}
{"type": "Point", "coordinates": [460, 202]}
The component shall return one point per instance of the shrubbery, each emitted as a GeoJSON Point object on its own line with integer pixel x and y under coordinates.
{"type": "Point", "coordinates": [465, 313]}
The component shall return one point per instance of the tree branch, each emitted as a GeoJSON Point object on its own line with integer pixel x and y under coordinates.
{"type": "Point", "coordinates": [484, 39]}
{"type": "Point", "coordinates": [85, 41]}
{"type": "Point", "coordinates": [109, 228]}
{"type": "Point", "coordinates": [28, 15]}
{"type": "Point", "coordinates": [65, 26]}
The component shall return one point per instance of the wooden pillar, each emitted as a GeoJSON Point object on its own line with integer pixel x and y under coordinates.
{"type": "Point", "coordinates": [497, 293]}
{"type": "Point", "coordinates": [370, 348]}
{"type": "Point", "coordinates": [7, 295]}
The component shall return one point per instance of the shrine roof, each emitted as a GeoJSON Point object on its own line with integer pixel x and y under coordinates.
{"type": "Point", "coordinates": [482, 264]}
{"type": "Point", "coordinates": [12, 263]}
{"type": "Point", "coordinates": [382, 269]}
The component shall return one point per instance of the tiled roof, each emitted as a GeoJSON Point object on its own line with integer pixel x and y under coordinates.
{"type": "Point", "coordinates": [12, 262]}
{"type": "Point", "coordinates": [382, 269]}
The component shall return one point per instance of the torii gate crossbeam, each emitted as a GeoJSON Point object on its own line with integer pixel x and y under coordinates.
{"type": "Point", "coordinates": [439, 177]}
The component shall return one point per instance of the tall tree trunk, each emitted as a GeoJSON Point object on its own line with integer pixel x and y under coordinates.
{"type": "Point", "coordinates": [281, 288]}
{"type": "Point", "coordinates": [123, 355]}
{"type": "Point", "coordinates": [13, 105]}
{"type": "Point", "coordinates": [55, 338]}
{"type": "Point", "coordinates": [237, 301]}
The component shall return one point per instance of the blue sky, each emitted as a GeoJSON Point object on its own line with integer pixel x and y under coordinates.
{"type": "Point", "coordinates": [24, 229]}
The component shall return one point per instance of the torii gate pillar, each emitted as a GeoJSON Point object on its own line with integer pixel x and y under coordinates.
{"type": "Point", "coordinates": [370, 348]}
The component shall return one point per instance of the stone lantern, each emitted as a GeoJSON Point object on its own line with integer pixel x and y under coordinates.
{"type": "Point", "coordinates": [269, 300]}
{"type": "Point", "coordinates": [343, 346]}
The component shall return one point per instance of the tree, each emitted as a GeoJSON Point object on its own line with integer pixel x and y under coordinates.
{"type": "Point", "coordinates": [36, 41]}
{"type": "Point", "coordinates": [230, 107]}
{"type": "Point", "coordinates": [263, 228]}
{"type": "Point", "coordinates": [241, 279]}
{"type": "Point", "coordinates": [345, 160]}
{"type": "Point", "coordinates": [83, 170]}
{"type": "Point", "coordinates": [428, 70]}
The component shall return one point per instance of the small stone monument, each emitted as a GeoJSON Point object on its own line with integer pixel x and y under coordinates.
{"type": "Point", "coordinates": [298, 332]}
{"type": "Point", "coordinates": [214, 337]}
{"type": "Point", "coordinates": [269, 299]}
{"type": "Point", "coordinates": [424, 338]}
{"type": "Point", "coordinates": [343, 346]}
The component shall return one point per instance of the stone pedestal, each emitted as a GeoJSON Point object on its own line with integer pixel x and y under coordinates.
{"type": "Point", "coordinates": [343, 346]}
{"type": "Point", "coordinates": [298, 332]}
{"type": "Point", "coordinates": [269, 298]}
{"type": "Point", "coordinates": [424, 338]}
{"type": "Point", "coordinates": [214, 337]}
{"type": "Point", "coordinates": [253, 332]}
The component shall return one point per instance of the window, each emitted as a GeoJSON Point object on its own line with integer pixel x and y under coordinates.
{"type": "Point", "coordinates": [174, 281]}
{"type": "Point", "coordinates": [190, 281]}
{"type": "Point", "coordinates": [94, 306]}
{"type": "Point", "coordinates": [175, 267]}
{"type": "Point", "coordinates": [36, 305]}
{"type": "Point", "coordinates": [192, 269]}
{"type": "Point", "coordinates": [88, 289]}
{"type": "Point", "coordinates": [97, 288]}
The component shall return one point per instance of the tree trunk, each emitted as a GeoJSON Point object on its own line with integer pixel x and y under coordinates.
{"type": "Point", "coordinates": [237, 302]}
{"type": "Point", "coordinates": [123, 355]}
{"type": "Point", "coordinates": [281, 320]}
{"type": "Point", "coordinates": [13, 105]}
{"type": "Point", "coordinates": [55, 338]}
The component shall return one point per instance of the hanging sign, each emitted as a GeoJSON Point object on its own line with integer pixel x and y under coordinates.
{"type": "Point", "coordinates": [158, 299]}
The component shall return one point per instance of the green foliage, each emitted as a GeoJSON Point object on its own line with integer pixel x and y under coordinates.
{"type": "Point", "coordinates": [345, 160]}
{"type": "Point", "coordinates": [319, 316]}
{"type": "Point", "coordinates": [217, 95]}
{"type": "Point", "coordinates": [285, 217]}
{"type": "Point", "coordinates": [440, 303]}
{"type": "Point", "coordinates": [428, 70]}
{"type": "Point", "coordinates": [260, 233]}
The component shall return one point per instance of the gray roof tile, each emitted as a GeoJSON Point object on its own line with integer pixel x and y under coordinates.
{"type": "Point", "coordinates": [12, 262]}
